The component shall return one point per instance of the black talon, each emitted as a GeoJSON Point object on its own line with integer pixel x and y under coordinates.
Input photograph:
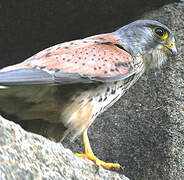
{"type": "Point", "coordinates": [98, 170]}
{"type": "Point", "coordinates": [122, 167]}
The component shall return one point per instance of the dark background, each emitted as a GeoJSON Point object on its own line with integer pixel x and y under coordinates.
{"type": "Point", "coordinates": [135, 131]}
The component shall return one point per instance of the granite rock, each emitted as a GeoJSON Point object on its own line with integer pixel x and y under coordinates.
{"type": "Point", "coordinates": [28, 156]}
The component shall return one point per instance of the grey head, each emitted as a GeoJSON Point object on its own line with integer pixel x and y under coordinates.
{"type": "Point", "coordinates": [149, 38]}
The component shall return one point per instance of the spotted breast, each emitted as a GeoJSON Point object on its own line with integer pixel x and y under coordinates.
{"type": "Point", "coordinates": [89, 103]}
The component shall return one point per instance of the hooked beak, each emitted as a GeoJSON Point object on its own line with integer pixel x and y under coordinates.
{"type": "Point", "coordinates": [171, 47]}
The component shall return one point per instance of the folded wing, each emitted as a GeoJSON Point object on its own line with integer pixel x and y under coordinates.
{"type": "Point", "coordinates": [100, 58]}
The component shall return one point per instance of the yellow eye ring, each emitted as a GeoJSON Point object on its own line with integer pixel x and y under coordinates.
{"type": "Point", "coordinates": [160, 33]}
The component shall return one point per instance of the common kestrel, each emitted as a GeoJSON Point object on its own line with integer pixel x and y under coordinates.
{"type": "Point", "coordinates": [65, 87]}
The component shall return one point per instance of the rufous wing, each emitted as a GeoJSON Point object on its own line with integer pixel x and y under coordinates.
{"type": "Point", "coordinates": [98, 58]}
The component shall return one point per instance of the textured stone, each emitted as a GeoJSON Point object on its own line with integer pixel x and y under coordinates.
{"type": "Point", "coordinates": [28, 156]}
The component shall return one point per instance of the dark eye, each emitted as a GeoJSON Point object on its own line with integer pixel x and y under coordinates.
{"type": "Point", "coordinates": [159, 31]}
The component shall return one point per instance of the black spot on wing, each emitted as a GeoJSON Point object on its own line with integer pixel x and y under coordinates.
{"type": "Point", "coordinates": [121, 47]}
{"type": "Point", "coordinates": [124, 64]}
{"type": "Point", "coordinates": [48, 54]}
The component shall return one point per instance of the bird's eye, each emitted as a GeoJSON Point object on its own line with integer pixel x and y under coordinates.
{"type": "Point", "coordinates": [160, 32]}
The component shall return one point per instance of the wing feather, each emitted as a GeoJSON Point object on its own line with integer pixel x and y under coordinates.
{"type": "Point", "coordinates": [25, 77]}
{"type": "Point", "coordinates": [98, 58]}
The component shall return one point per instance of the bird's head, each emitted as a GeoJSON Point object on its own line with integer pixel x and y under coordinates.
{"type": "Point", "coordinates": [151, 39]}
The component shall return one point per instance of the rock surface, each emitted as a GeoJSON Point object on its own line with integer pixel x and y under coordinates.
{"type": "Point", "coordinates": [144, 131]}
{"type": "Point", "coordinates": [27, 156]}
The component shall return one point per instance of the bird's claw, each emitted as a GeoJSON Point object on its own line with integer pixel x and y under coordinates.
{"type": "Point", "coordinates": [99, 163]}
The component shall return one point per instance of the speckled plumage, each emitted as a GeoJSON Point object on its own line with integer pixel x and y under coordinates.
{"type": "Point", "coordinates": [68, 85]}
{"type": "Point", "coordinates": [96, 56]}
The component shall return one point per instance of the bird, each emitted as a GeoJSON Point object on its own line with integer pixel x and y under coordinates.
{"type": "Point", "coordinates": [63, 88]}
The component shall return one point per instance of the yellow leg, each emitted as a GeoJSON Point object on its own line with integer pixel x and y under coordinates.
{"type": "Point", "coordinates": [90, 155]}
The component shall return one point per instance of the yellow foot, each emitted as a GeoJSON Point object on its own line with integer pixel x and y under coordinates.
{"type": "Point", "coordinates": [98, 162]}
